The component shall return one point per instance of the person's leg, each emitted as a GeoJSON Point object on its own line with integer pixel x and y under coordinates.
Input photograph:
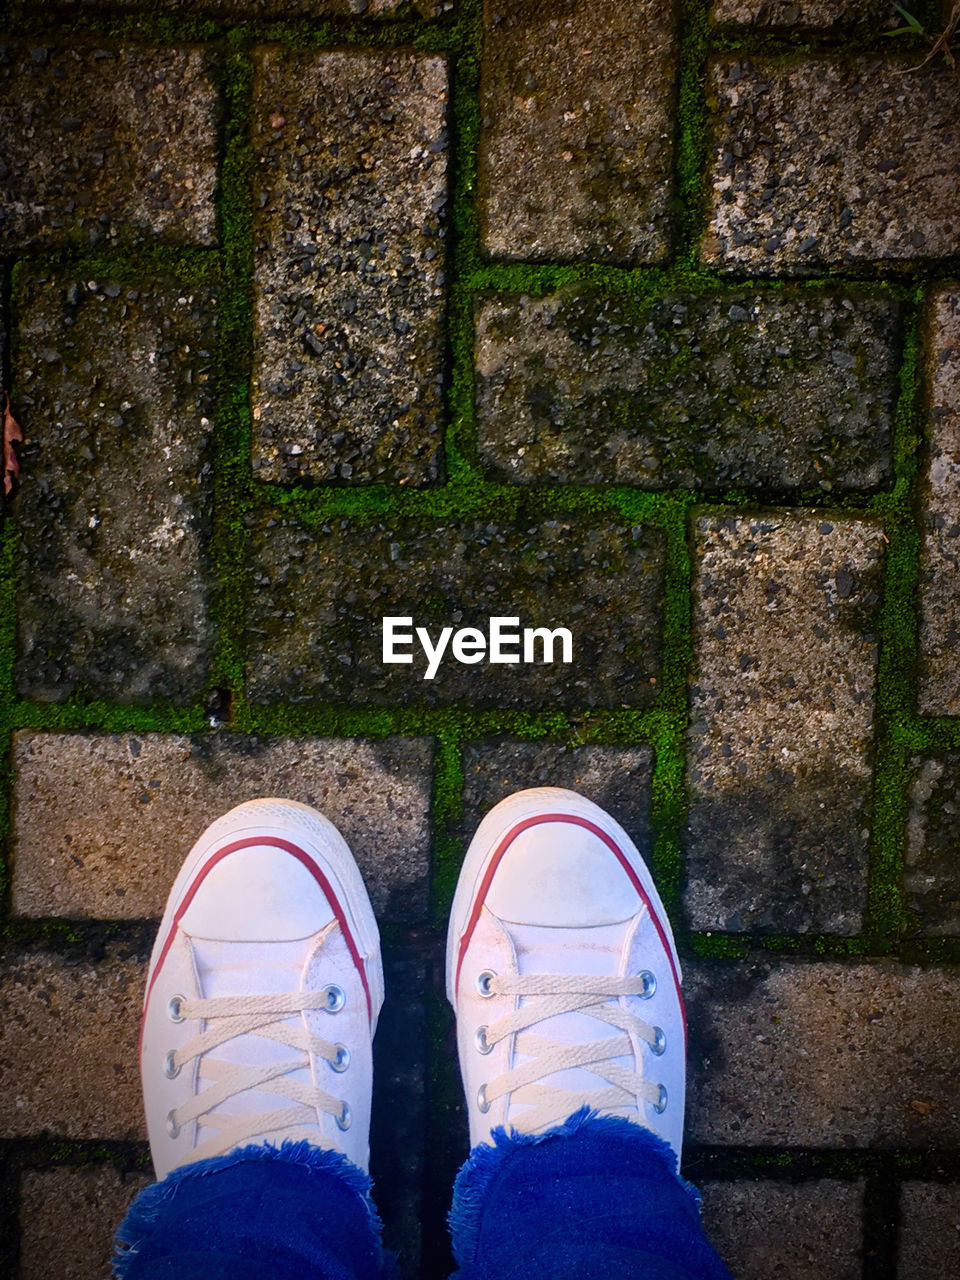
{"type": "Point", "coordinates": [263, 993]}
{"type": "Point", "coordinates": [564, 976]}
{"type": "Point", "coordinates": [295, 1213]}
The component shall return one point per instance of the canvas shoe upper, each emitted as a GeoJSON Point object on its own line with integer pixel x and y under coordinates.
{"type": "Point", "coordinates": [563, 973]}
{"type": "Point", "coordinates": [263, 992]}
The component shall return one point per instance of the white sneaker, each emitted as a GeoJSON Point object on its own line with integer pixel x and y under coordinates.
{"type": "Point", "coordinates": [563, 973]}
{"type": "Point", "coordinates": [263, 992]}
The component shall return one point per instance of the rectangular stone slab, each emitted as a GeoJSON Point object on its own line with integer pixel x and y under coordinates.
{"type": "Point", "coordinates": [576, 143]}
{"type": "Point", "coordinates": [873, 14]}
{"type": "Point", "coordinates": [776, 389]}
{"type": "Point", "coordinates": [932, 872]}
{"type": "Point", "coordinates": [929, 1239]}
{"type": "Point", "coordinates": [781, 721]}
{"type": "Point", "coordinates": [116, 401]}
{"type": "Point", "coordinates": [786, 1053]}
{"type": "Point", "coordinates": [269, 10]}
{"type": "Point", "coordinates": [68, 1047]}
{"type": "Point", "coordinates": [616, 778]}
{"type": "Point", "coordinates": [107, 143]}
{"type": "Point", "coordinates": [939, 692]}
{"type": "Point", "coordinates": [828, 161]}
{"type": "Point", "coordinates": [349, 265]}
{"type": "Point", "coordinates": [315, 615]}
{"type": "Point", "coordinates": [68, 1216]}
{"type": "Point", "coordinates": [102, 822]}
{"type": "Point", "coordinates": [806, 1230]}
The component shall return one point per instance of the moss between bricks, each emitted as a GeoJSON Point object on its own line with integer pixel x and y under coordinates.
{"type": "Point", "coordinates": [467, 494]}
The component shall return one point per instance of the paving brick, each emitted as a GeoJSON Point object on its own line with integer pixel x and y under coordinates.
{"type": "Point", "coordinates": [269, 9]}
{"type": "Point", "coordinates": [799, 1231]}
{"type": "Point", "coordinates": [616, 778]}
{"type": "Point", "coordinates": [349, 265]}
{"type": "Point", "coordinates": [115, 398]}
{"type": "Point", "coordinates": [780, 389]}
{"type": "Point", "coordinates": [929, 1231]}
{"type": "Point", "coordinates": [831, 162]}
{"type": "Point", "coordinates": [68, 1217]}
{"type": "Point", "coordinates": [68, 1048]}
{"type": "Point", "coordinates": [874, 15]}
{"type": "Point", "coordinates": [103, 144]}
{"type": "Point", "coordinates": [823, 1055]}
{"type": "Point", "coordinates": [102, 823]}
{"type": "Point", "coordinates": [315, 629]}
{"type": "Point", "coordinates": [782, 696]}
{"type": "Point", "coordinates": [576, 145]}
{"type": "Point", "coordinates": [932, 871]}
{"type": "Point", "coordinates": [939, 691]}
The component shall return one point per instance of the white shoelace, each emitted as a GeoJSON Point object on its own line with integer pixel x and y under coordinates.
{"type": "Point", "coordinates": [267, 1016]}
{"type": "Point", "coordinates": [546, 996]}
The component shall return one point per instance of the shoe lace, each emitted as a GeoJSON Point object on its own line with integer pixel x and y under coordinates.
{"type": "Point", "coordinates": [546, 996]}
{"type": "Point", "coordinates": [226, 1017]}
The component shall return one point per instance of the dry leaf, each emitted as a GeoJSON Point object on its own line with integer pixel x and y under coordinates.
{"type": "Point", "coordinates": [11, 436]}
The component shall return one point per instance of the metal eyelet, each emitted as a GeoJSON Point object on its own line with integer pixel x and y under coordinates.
{"type": "Point", "coordinates": [170, 1068]}
{"type": "Point", "coordinates": [659, 1041]}
{"type": "Point", "coordinates": [661, 1103]}
{"type": "Point", "coordinates": [481, 1041]}
{"type": "Point", "coordinates": [344, 1119]}
{"type": "Point", "coordinates": [483, 983]}
{"type": "Point", "coordinates": [482, 1102]}
{"type": "Point", "coordinates": [649, 984]}
{"type": "Point", "coordinates": [342, 1059]}
{"type": "Point", "coordinates": [336, 999]}
{"type": "Point", "coordinates": [173, 1129]}
{"type": "Point", "coordinates": [174, 1005]}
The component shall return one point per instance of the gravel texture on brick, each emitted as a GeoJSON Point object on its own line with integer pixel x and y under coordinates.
{"type": "Point", "coordinates": [116, 402]}
{"type": "Point", "coordinates": [781, 714]}
{"type": "Point", "coordinates": [823, 1055]}
{"type": "Point", "coordinates": [939, 692]}
{"type": "Point", "coordinates": [576, 145]}
{"type": "Point", "coordinates": [932, 871]}
{"type": "Point", "coordinates": [68, 1047]}
{"type": "Point", "coordinates": [929, 1231]}
{"type": "Point", "coordinates": [270, 10]}
{"type": "Point", "coordinates": [319, 596]}
{"type": "Point", "coordinates": [826, 162]}
{"type": "Point", "coordinates": [616, 778]}
{"type": "Point", "coordinates": [874, 15]}
{"type": "Point", "coordinates": [101, 823]}
{"type": "Point", "coordinates": [780, 389]}
{"type": "Point", "coordinates": [101, 144]}
{"type": "Point", "coordinates": [68, 1217]}
{"type": "Point", "coordinates": [349, 265]}
{"type": "Point", "coordinates": [795, 1231]}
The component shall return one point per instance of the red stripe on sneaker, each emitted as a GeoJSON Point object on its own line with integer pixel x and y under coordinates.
{"type": "Point", "coordinates": [612, 845]}
{"type": "Point", "coordinates": [275, 842]}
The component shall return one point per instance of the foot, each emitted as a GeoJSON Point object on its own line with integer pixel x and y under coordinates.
{"type": "Point", "coordinates": [263, 992]}
{"type": "Point", "coordinates": [563, 974]}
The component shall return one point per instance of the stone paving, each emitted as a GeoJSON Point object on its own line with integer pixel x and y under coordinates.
{"type": "Point", "coordinates": [638, 319]}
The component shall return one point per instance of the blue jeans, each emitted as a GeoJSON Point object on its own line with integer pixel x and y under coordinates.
{"type": "Point", "coordinates": [595, 1199]}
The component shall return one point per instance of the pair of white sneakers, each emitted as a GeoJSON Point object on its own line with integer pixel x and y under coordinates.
{"type": "Point", "coordinates": [266, 982]}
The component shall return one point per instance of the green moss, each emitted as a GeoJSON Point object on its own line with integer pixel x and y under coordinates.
{"type": "Point", "coordinates": [158, 26]}
{"type": "Point", "coordinates": [232, 435]}
{"type": "Point", "coordinates": [692, 130]}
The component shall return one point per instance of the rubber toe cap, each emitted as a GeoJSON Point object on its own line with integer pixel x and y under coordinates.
{"type": "Point", "coordinates": [257, 894]}
{"type": "Point", "coordinates": [561, 874]}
